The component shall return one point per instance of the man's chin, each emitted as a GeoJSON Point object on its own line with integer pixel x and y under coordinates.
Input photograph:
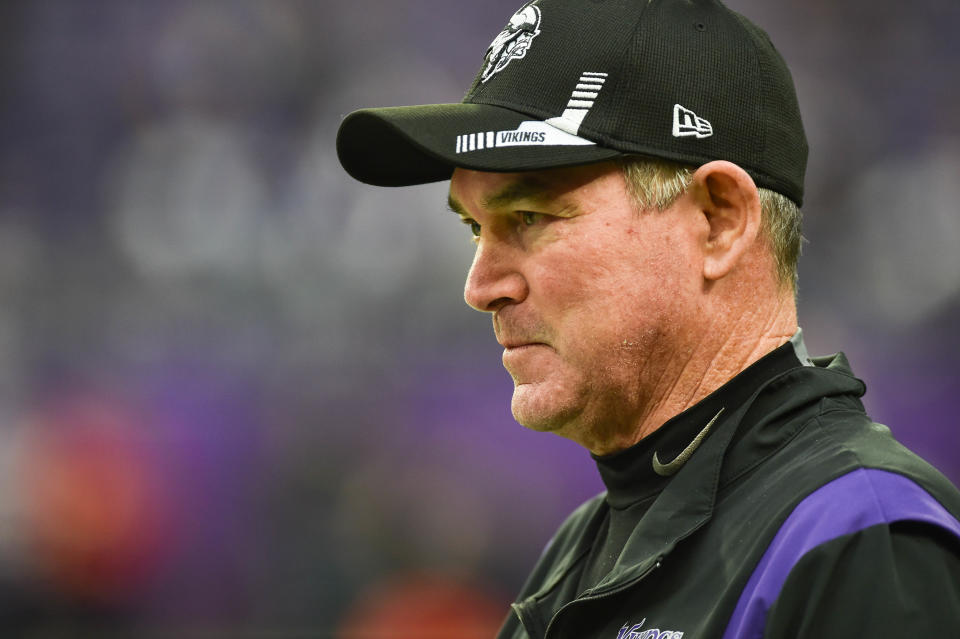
{"type": "Point", "coordinates": [540, 408]}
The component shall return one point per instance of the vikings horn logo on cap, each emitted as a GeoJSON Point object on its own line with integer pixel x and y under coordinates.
{"type": "Point", "coordinates": [513, 41]}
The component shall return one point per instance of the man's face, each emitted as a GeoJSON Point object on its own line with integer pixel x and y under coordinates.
{"type": "Point", "coordinates": [594, 302]}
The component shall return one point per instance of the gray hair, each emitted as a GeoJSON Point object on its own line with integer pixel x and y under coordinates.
{"type": "Point", "coordinates": [658, 183]}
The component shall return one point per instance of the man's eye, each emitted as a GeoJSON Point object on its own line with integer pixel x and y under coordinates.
{"type": "Point", "coordinates": [529, 219]}
{"type": "Point", "coordinates": [474, 226]}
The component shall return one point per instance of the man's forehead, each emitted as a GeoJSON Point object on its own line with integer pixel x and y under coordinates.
{"type": "Point", "coordinates": [498, 190]}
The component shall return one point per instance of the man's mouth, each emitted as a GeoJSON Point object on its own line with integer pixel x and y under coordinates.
{"type": "Point", "coordinates": [511, 345]}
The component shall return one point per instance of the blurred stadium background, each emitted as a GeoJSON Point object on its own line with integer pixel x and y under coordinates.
{"type": "Point", "coordinates": [240, 394]}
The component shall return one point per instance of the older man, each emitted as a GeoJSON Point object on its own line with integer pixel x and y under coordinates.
{"type": "Point", "coordinates": [632, 176]}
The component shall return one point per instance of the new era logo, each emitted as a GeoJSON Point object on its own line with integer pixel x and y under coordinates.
{"type": "Point", "coordinates": [687, 123]}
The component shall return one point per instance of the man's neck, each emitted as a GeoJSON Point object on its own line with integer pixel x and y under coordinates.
{"type": "Point", "coordinates": [725, 348]}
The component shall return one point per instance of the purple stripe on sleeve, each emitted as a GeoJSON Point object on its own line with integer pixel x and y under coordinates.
{"type": "Point", "coordinates": [848, 504]}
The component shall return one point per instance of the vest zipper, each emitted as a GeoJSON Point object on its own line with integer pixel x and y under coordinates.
{"type": "Point", "coordinates": [608, 593]}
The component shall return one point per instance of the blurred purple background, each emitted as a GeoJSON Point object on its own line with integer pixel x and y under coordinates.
{"type": "Point", "coordinates": [240, 393]}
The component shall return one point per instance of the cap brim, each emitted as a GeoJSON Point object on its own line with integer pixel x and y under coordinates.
{"type": "Point", "coordinates": [400, 146]}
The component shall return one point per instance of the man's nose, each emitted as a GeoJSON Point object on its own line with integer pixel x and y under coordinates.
{"type": "Point", "coordinates": [494, 279]}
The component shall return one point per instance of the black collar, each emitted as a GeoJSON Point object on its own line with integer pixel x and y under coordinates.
{"type": "Point", "coordinates": [629, 475]}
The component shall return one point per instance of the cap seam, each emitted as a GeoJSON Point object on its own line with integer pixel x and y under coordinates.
{"type": "Point", "coordinates": [624, 62]}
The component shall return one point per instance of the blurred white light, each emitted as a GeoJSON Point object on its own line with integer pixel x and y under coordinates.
{"type": "Point", "coordinates": [186, 197]}
{"type": "Point", "coordinates": [388, 235]}
{"type": "Point", "coordinates": [908, 230]}
{"type": "Point", "coordinates": [21, 261]}
{"type": "Point", "coordinates": [14, 552]}
{"type": "Point", "coordinates": [370, 239]}
{"type": "Point", "coordinates": [20, 252]}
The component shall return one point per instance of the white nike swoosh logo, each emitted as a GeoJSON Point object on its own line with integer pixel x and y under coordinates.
{"type": "Point", "coordinates": [670, 468]}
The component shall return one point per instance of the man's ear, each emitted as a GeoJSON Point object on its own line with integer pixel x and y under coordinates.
{"type": "Point", "coordinates": [728, 199]}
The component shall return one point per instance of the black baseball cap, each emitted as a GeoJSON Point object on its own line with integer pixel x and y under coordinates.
{"type": "Point", "coordinates": [571, 82]}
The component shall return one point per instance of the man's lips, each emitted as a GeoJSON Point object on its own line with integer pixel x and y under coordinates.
{"type": "Point", "coordinates": [519, 347]}
{"type": "Point", "coordinates": [514, 344]}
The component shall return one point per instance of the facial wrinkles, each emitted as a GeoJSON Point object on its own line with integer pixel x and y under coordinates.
{"type": "Point", "coordinates": [520, 190]}
{"type": "Point", "coordinates": [620, 398]}
{"type": "Point", "coordinates": [644, 367]}
{"type": "Point", "coordinates": [626, 390]}
{"type": "Point", "coordinates": [673, 349]}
